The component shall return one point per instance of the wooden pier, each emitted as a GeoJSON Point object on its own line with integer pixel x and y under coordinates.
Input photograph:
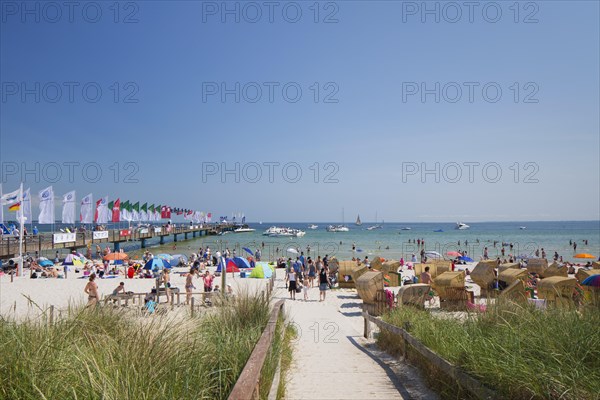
{"type": "Point", "coordinates": [9, 245]}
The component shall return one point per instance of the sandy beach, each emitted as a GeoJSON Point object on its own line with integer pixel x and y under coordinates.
{"type": "Point", "coordinates": [17, 297]}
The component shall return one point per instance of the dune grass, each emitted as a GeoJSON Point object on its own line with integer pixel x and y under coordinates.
{"type": "Point", "coordinates": [109, 354]}
{"type": "Point", "coordinates": [519, 351]}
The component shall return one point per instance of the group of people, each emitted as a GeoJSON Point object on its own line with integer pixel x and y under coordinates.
{"type": "Point", "coordinates": [300, 276]}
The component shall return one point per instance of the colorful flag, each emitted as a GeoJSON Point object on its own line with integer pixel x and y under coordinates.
{"type": "Point", "coordinates": [46, 197]}
{"type": "Point", "coordinates": [15, 207]}
{"type": "Point", "coordinates": [144, 212]}
{"type": "Point", "coordinates": [86, 214]}
{"type": "Point", "coordinates": [102, 214]}
{"type": "Point", "coordinates": [136, 211]}
{"type": "Point", "coordinates": [68, 211]}
{"type": "Point", "coordinates": [9, 198]}
{"type": "Point", "coordinates": [125, 215]}
{"type": "Point", "coordinates": [115, 207]}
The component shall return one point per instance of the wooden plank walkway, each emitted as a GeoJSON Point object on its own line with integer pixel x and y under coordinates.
{"type": "Point", "coordinates": [331, 359]}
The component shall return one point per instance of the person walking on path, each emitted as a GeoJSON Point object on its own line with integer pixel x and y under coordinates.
{"type": "Point", "coordinates": [323, 283]}
{"type": "Point", "coordinates": [292, 283]}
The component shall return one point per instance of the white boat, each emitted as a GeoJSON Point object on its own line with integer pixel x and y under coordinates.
{"type": "Point", "coordinates": [522, 227]}
{"type": "Point", "coordinates": [243, 230]}
{"type": "Point", "coordinates": [376, 226]}
{"type": "Point", "coordinates": [358, 221]}
{"type": "Point", "coordinates": [337, 228]}
{"type": "Point", "coordinates": [275, 231]}
{"type": "Point", "coordinates": [313, 226]}
{"type": "Point", "coordinates": [405, 228]}
{"type": "Point", "coordinates": [462, 226]}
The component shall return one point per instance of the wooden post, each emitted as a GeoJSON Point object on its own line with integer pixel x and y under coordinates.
{"type": "Point", "coordinates": [12, 274]}
{"type": "Point", "coordinates": [157, 291]}
{"type": "Point", "coordinates": [192, 307]}
{"type": "Point", "coordinates": [178, 299]}
{"type": "Point", "coordinates": [51, 319]}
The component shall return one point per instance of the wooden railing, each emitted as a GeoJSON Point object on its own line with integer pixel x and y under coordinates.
{"type": "Point", "coordinates": [248, 384]}
{"type": "Point", "coordinates": [9, 245]}
{"type": "Point", "coordinates": [464, 380]}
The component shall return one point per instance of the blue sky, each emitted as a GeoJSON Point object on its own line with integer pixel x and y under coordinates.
{"type": "Point", "coordinates": [367, 60]}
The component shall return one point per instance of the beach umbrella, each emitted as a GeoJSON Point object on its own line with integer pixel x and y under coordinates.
{"type": "Point", "coordinates": [593, 280]}
{"type": "Point", "coordinates": [247, 250]}
{"type": "Point", "coordinates": [116, 257]}
{"type": "Point", "coordinates": [261, 271]}
{"type": "Point", "coordinates": [454, 254]}
{"type": "Point", "coordinates": [45, 263]}
{"type": "Point", "coordinates": [241, 262]}
{"type": "Point", "coordinates": [466, 259]}
{"type": "Point", "coordinates": [433, 254]}
{"type": "Point", "coordinates": [42, 259]}
{"type": "Point", "coordinates": [583, 255]}
{"type": "Point", "coordinates": [157, 264]}
{"type": "Point", "coordinates": [293, 251]}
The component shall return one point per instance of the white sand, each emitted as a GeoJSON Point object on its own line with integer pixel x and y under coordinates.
{"type": "Point", "coordinates": [63, 292]}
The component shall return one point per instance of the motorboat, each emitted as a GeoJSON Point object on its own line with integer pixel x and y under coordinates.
{"type": "Point", "coordinates": [373, 227]}
{"type": "Point", "coordinates": [522, 227]}
{"type": "Point", "coordinates": [313, 226]}
{"type": "Point", "coordinates": [462, 226]}
{"type": "Point", "coordinates": [275, 231]}
{"type": "Point", "coordinates": [405, 228]}
{"type": "Point", "coordinates": [244, 230]}
{"type": "Point", "coordinates": [337, 228]}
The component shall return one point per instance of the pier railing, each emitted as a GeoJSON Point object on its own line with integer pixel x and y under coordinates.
{"type": "Point", "coordinates": [9, 245]}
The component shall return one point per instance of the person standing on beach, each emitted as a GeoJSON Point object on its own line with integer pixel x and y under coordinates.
{"type": "Point", "coordinates": [189, 285]}
{"type": "Point", "coordinates": [291, 276]}
{"type": "Point", "coordinates": [91, 289]}
{"type": "Point", "coordinates": [312, 273]}
{"type": "Point", "coordinates": [323, 283]}
{"type": "Point", "coordinates": [208, 282]}
{"type": "Point", "coordinates": [166, 280]}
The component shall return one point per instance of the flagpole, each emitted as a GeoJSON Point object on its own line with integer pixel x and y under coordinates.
{"type": "Point", "coordinates": [20, 269]}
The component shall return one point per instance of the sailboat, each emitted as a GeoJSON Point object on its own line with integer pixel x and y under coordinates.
{"type": "Point", "coordinates": [358, 222]}
{"type": "Point", "coordinates": [376, 226]}
{"type": "Point", "coordinates": [338, 228]}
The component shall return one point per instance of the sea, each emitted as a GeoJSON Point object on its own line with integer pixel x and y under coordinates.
{"type": "Point", "coordinates": [395, 240]}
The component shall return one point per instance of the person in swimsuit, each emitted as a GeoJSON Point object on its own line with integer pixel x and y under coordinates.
{"type": "Point", "coordinates": [312, 272]}
{"type": "Point", "coordinates": [166, 279]}
{"type": "Point", "coordinates": [91, 289]}
{"type": "Point", "coordinates": [189, 286]}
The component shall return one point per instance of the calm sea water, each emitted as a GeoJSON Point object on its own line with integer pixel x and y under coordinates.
{"type": "Point", "coordinates": [392, 242]}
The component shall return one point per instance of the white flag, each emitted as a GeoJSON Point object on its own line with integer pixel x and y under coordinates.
{"type": "Point", "coordinates": [102, 214]}
{"type": "Point", "coordinates": [46, 197]}
{"type": "Point", "coordinates": [86, 213]}
{"type": "Point", "coordinates": [9, 198]}
{"type": "Point", "coordinates": [25, 210]}
{"type": "Point", "coordinates": [68, 211]}
{"type": "Point", "coordinates": [1, 208]}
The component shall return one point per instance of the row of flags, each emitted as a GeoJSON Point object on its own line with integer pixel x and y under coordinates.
{"type": "Point", "coordinates": [100, 212]}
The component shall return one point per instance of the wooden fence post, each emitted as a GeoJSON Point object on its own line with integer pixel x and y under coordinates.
{"type": "Point", "coordinates": [192, 307]}
{"type": "Point", "coordinates": [51, 319]}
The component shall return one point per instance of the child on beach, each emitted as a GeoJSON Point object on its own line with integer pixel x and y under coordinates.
{"type": "Point", "coordinates": [305, 288]}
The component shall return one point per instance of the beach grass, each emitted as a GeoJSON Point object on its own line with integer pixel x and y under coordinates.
{"type": "Point", "coordinates": [518, 351]}
{"type": "Point", "coordinates": [111, 354]}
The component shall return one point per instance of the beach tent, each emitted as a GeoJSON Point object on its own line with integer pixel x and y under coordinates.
{"type": "Point", "coordinates": [177, 258]}
{"type": "Point", "coordinates": [156, 264]}
{"type": "Point", "coordinates": [262, 270]}
{"type": "Point", "coordinates": [231, 266]}
{"type": "Point", "coordinates": [167, 257]}
{"type": "Point", "coordinates": [241, 262]}
{"type": "Point", "coordinates": [433, 254]}
{"type": "Point", "coordinates": [465, 259]}
{"type": "Point", "coordinates": [45, 263]}
{"type": "Point", "coordinates": [72, 259]}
